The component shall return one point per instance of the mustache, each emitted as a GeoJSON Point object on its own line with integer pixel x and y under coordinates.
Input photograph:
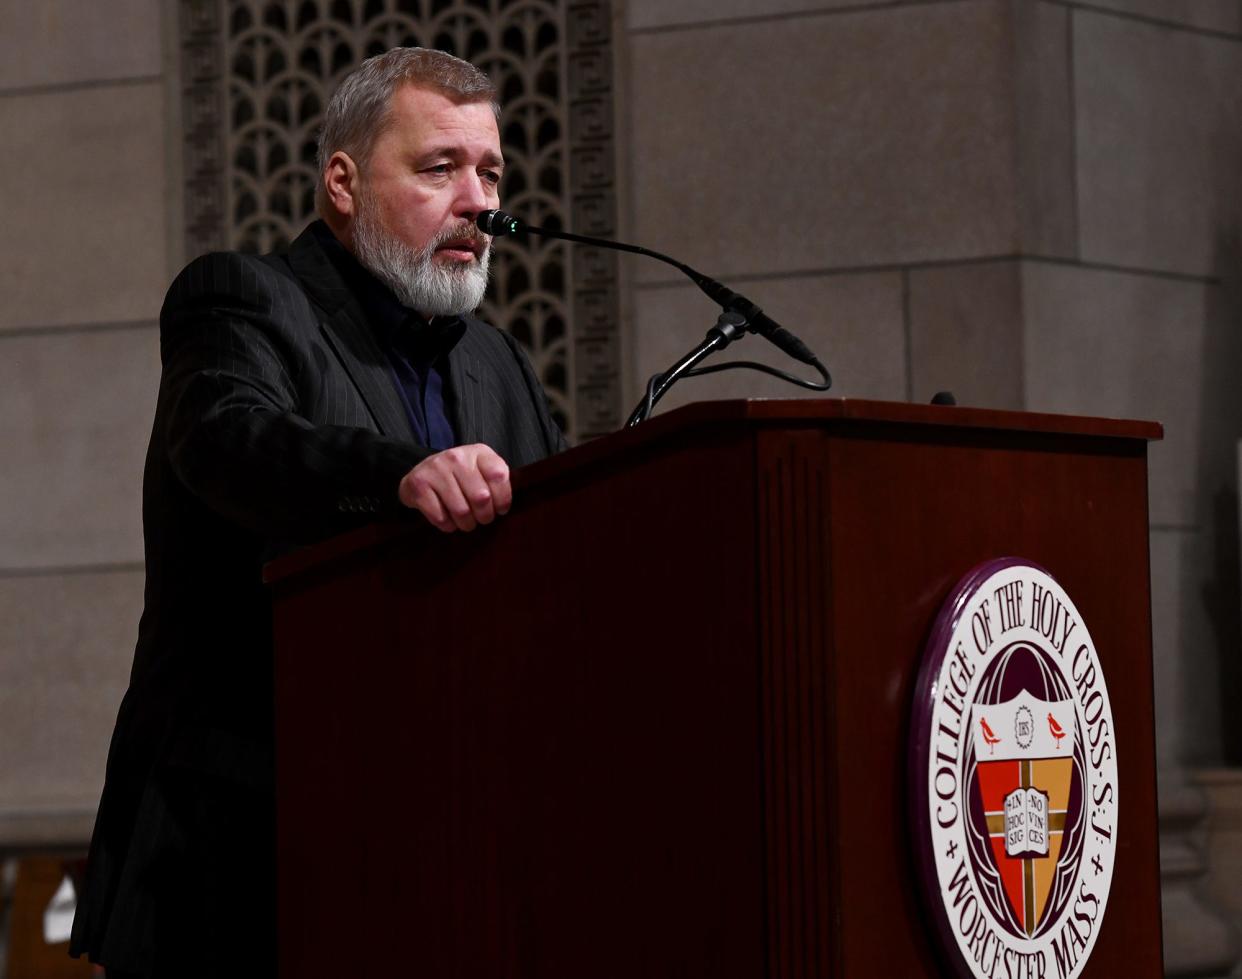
{"type": "Point", "coordinates": [465, 233]}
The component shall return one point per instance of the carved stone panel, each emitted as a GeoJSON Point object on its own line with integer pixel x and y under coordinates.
{"type": "Point", "coordinates": [257, 74]}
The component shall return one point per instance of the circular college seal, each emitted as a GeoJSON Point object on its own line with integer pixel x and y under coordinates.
{"type": "Point", "coordinates": [1013, 779]}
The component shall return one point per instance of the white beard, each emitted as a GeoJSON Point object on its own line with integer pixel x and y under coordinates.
{"type": "Point", "coordinates": [416, 279]}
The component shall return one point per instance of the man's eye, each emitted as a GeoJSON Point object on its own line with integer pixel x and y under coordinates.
{"type": "Point", "coordinates": [440, 168]}
{"type": "Point", "coordinates": [491, 176]}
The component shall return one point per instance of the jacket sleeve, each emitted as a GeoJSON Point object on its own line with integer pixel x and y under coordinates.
{"type": "Point", "coordinates": [231, 414]}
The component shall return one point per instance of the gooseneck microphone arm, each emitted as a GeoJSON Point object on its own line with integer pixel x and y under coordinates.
{"type": "Point", "coordinates": [748, 316]}
{"type": "Point", "coordinates": [498, 223]}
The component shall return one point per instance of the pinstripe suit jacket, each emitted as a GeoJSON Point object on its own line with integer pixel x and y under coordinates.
{"type": "Point", "coordinates": [277, 423]}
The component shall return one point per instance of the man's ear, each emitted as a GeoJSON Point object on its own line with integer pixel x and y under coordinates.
{"type": "Point", "coordinates": [340, 183]}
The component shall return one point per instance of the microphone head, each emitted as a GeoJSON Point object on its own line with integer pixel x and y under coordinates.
{"type": "Point", "coordinates": [497, 223]}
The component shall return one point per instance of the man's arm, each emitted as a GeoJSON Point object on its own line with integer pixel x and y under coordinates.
{"type": "Point", "coordinates": [239, 437]}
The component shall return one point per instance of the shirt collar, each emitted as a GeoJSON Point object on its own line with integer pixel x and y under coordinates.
{"type": "Point", "coordinates": [395, 325]}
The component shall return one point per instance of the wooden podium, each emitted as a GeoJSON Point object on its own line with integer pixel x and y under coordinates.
{"type": "Point", "coordinates": [654, 722]}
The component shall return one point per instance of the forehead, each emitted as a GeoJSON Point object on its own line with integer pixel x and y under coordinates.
{"type": "Point", "coordinates": [422, 119]}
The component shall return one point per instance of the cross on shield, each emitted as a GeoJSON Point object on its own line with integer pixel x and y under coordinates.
{"type": "Point", "coordinates": [1025, 770]}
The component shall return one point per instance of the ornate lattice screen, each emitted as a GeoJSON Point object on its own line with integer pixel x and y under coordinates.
{"type": "Point", "coordinates": [257, 73]}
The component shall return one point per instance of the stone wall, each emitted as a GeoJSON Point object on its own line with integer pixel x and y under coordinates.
{"type": "Point", "coordinates": [84, 173]}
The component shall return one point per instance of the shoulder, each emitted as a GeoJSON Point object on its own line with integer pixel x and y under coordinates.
{"type": "Point", "coordinates": [235, 281]}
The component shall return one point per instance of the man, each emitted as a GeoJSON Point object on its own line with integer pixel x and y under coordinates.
{"type": "Point", "coordinates": [301, 394]}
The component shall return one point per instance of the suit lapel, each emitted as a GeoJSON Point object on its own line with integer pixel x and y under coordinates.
{"type": "Point", "coordinates": [345, 328]}
{"type": "Point", "coordinates": [467, 393]}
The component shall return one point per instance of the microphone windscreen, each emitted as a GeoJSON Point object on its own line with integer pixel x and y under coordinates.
{"type": "Point", "coordinates": [496, 223]}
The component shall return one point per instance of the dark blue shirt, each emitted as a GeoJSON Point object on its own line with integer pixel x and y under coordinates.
{"type": "Point", "coordinates": [417, 348]}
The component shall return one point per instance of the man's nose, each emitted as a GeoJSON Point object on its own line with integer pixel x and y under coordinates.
{"type": "Point", "coordinates": [475, 195]}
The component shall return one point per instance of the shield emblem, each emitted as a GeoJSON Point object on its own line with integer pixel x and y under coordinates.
{"type": "Point", "coordinates": [1024, 750]}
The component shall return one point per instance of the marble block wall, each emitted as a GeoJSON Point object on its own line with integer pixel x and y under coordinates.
{"type": "Point", "coordinates": [1035, 204]}
{"type": "Point", "coordinates": [84, 172]}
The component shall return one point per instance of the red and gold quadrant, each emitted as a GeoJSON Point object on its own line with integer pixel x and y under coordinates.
{"type": "Point", "coordinates": [1028, 881]}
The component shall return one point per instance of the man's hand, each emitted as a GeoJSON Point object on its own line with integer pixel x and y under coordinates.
{"type": "Point", "coordinates": [459, 488]}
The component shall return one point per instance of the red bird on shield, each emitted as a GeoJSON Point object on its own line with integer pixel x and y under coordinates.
{"type": "Point", "coordinates": [1055, 728]}
{"type": "Point", "coordinates": [989, 735]}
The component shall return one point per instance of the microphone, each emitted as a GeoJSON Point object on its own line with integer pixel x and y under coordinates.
{"type": "Point", "coordinates": [499, 223]}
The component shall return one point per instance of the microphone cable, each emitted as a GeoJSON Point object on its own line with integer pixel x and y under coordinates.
{"type": "Point", "coordinates": [752, 319]}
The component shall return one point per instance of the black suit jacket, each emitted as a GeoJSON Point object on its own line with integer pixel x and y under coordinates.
{"type": "Point", "coordinates": [277, 423]}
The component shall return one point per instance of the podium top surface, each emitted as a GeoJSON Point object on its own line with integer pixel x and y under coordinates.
{"type": "Point", "coordinates": [803, 410]}
{"type": "Point", "coordinates": [677, 425]}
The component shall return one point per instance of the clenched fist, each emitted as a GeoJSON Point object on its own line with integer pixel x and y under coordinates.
{"type": "Point", "coordinates": [459, 488]}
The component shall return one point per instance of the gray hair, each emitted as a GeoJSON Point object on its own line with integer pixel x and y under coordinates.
{"type": "Point", "coordinates": [358, 110]}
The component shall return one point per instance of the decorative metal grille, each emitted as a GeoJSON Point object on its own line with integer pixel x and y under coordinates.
{"type": "Point", "coordinates": [258, 74]}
